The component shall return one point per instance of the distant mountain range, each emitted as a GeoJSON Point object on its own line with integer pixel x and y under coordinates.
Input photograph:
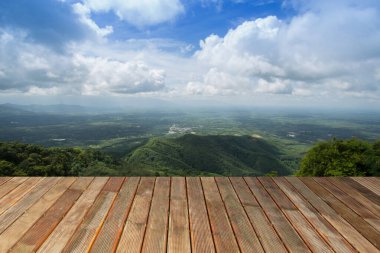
{"type": "Point", "coordinates": [205, 155]}
{"type": "Point", "coordinates": [132, 104]}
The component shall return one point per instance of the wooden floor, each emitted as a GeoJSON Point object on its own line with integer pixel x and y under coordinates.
{"type": "Point", "coordinates": [147, 214]}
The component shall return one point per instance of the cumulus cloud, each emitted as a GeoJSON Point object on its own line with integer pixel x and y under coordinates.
{"type": "Point", "coordinates": [35, 69]}
{"type": "Point", "coordinates": [326, 48]}
{"type": "Point", "coordinates": [84, 16]}
{"type": "Point", "coordinates": [139, 13]}
{"type": "Point", "coordinates": [102, 75]}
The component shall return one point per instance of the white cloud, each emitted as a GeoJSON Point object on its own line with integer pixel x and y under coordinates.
{"type": "Point", "coordinates": [37, 70]}
{"type": "Point", "coordinates": [276, 86]}
{"type": "Point", "coordinates": [141, 12]}
{"type": "Point", "coordinates": [102, 76]}
{"type": "Point", "coordinates": [84, 14]}
{"type": "Point", "coordinates": [330, 47]}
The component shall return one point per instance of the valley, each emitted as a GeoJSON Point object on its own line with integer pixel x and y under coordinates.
{"type": "Point", "coordinates": [188, 141]}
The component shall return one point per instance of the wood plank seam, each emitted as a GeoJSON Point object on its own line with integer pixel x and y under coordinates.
{"type": "Point", "coordinates": [121, 223]}
{"type": "Point", "coordinates": [33, 214]}
{"type": "Point", "coordinates": [126, 218]}
{"type": "Point", "coordinates": [85, 215]}
{"type": "Point", "coordinates": [188, 214]}
{"type": "Point", "coordinates": [343, 186]}
{"type": "Point", "coordinates": [364, 242]}
{"type": "Point", "coordinates": [241, 203]}
{"type": "Point", "coordinates": [314, 226]}
{"type": "Point", "coordinates": [265, 230]}
{"type": "Point", "coordinates": [364, 213]}
{"type": "Point", "coordinates": [229, 219]}
{"type": "Point", "coordinates": [58, 239]}
{"type": "Point", "coordinates": [266, 214]}
{"type": "Point", "coordinates": [168, 214]}
{"type": "Point", "coordinates": [105, 217]}
{"type": "Point", "coordinates": [30, 231]}
{"type": "Point", "coordinates": [147, 220]}
{"type": "Point", "coordinates": [288, 219]}
{"type": "Point", "coordinates": [208, 214]}
{"type": "Point", "coordinates": [316, 213]}
{"type": "Point", "coordinates": [82, 230]}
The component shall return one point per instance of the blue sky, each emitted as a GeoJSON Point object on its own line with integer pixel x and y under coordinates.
{"type": "Point", "coordinates": [270, 52]}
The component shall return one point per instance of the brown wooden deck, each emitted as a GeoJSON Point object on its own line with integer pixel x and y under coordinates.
{"type": "Point", "coordinates": [147, 214]}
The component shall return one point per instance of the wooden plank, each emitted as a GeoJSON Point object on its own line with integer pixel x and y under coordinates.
{"type": "Point", "coordinates": [156, 231]}
{"type": "Point", "coordinates": [285, 230]}
{"type": "Point", "coordinates": [350, 202]}
{"type": "Point", "coordinates": [298, 221]}
{"type": "Point", "coordinates": [355, 220]}
{"type": "Point", "coordinates": [11, 214]}
{"type": "Point", "coordinates": [58, 239]}
{"type": "Point", "coordinates": [344, 185]}
{"type": "Point", "coordinates": [346, 228]}
{"type": "Point", "coordinates": [373, 197]}
{"type": "Point", "coordinates": [11, 235]}
{"type": "Point", "coordinates": [10, 185]}
{"type": "Point", "coordinates": [222, 232]}
{"type": "Point", "coordinates": [4, 179]}
{"type": "Point", "coordinates": [110, 233]}
{"type": "Point", "coordinates": [37, 234]}
{"type": "Point", "coordinates": [86, 233]}
{"type": "Point", "coordinates": [18, 192]}
{"type": "Point", "coordinates": [369, 184]}
{"type": "Point", "coordinates": [245, 234]}
{"type": "Point", "coordinates": [200, 230]}
{"type": "Point", "coordinates": [178, 235]}
{"type": "Point", "coordinates": [133, 234]}
{"type": "Point", "coordinates": [325, 229]}
{"type": "Point", "coordinates": [265, 232]}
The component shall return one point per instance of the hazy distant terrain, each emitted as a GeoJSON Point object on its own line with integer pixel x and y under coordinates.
{"type": "Point", "coordinates": [240, 141]}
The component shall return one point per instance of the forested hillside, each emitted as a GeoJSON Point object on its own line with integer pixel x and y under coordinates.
{"type": "Point", "coordinates": [185, 155]}
{"type": "Point", "coordinates": [206, 155]}
{"type": "Point", "coordinates": [33, 160]}
{"type": "Point", "coordinates": [192, 155]}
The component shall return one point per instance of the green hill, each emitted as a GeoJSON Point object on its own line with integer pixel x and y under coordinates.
{"type": "Point", "coordinates": [205, 155]}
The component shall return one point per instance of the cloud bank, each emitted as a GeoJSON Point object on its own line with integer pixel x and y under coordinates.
{"type": "Point", "coordinates": [327, 49]}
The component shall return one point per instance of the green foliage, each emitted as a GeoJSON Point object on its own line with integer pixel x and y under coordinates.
{"type": "Point", "coordinates": [342, 158]}
{"type": "Point", "coordinates": [32, 160]}
{"type": "Point", "coordinates": [205, 155]}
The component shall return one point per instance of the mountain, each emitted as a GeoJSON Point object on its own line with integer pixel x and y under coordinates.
{"type": "Point", "coordinates": [205, 155]}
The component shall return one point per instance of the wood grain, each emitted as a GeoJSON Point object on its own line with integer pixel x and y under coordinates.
{"type": "Point", "coordinates": [110, 232]}
{"type": "Point", "coordinates": [345, 229]}
{"type": "Point", "coordinates": [222, 231]}
{"type": "Point", "coordinates": [179, 227]}
{"type": "Point", "coordinates": [268, 237]}
{"type": "Point", "coordinates": [285, 230]}
{"type": "Point", "coordinates": [245, 234]}
{"type": "Point", "coordinates": [324, 228]}
{"type": "Point", "coordinates": [193, 214]}
{"type": "Point", "coordinates": [58, 239]}
{"type": "Point", "coordinates": [133, 234]}
{"type": "Point", "coordinates": [200, 231]}
{"type": "Point", "coordinates": [155, 238]}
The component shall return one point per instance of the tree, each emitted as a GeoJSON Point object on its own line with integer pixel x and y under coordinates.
{"type": "Point", "coordinates": [341, 158]}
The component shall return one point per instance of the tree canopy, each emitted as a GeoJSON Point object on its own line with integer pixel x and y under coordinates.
{"type": "Point", "coordinates": [342, 158]}
{"type": "Point", "coordinates": [18, 159]}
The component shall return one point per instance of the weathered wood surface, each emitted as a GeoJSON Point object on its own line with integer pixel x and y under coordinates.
{"type": "Point", "coordinates": [193, 214]}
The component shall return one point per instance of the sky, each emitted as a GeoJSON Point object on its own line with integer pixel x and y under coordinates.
{"type": "Point", "coordinates": [239, 52]}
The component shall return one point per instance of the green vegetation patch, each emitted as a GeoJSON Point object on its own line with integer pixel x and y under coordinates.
{"type": "Point", "coordinates": [342, 158]}
{"type": "Point", "coordinates": [206, 155]}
